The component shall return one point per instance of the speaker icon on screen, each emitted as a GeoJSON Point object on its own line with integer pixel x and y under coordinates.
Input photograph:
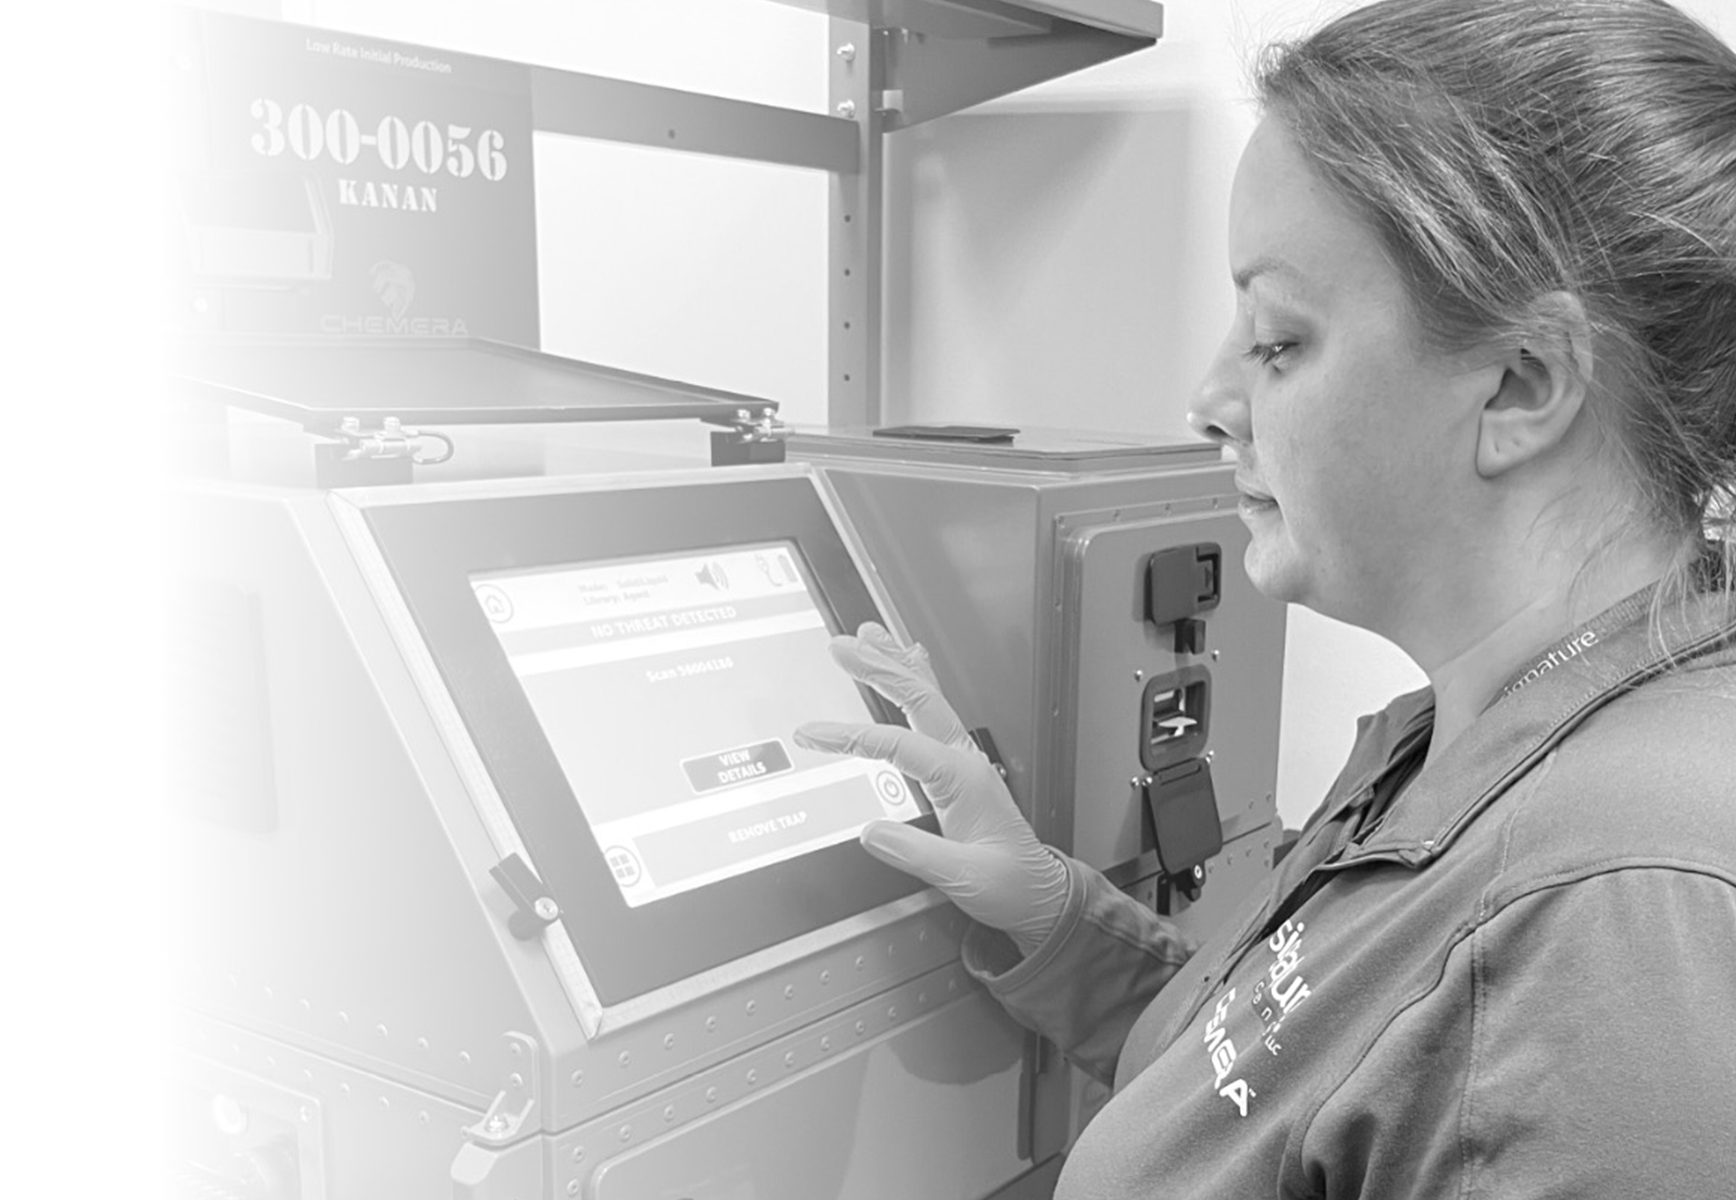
{"type": "Point", "coordinates": [712, 575]}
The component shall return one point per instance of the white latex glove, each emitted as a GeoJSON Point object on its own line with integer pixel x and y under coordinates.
{"type": "Point", "coordinates": [990, 862]}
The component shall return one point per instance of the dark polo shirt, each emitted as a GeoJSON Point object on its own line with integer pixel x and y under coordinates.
{"type": "Point", "coordinates": [1514, 977]}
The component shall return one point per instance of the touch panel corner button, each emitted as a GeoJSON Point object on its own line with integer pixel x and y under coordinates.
{"type": "Point", "coordinates": [890, 788]}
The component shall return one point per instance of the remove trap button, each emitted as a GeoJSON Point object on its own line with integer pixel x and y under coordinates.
{"type": "Point", "coordinates": [744, 764]}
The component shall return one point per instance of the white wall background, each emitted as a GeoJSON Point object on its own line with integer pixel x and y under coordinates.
{"type": "Point", "coordinates": [1054, 258]}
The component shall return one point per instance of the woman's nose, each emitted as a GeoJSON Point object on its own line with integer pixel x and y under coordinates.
{"type": "Point", "coordinates": [1220, 408]}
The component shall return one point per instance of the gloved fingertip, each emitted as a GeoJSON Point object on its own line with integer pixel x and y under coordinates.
{"type": "Point", "coordinates": [874, 633]}
{"type": "Point", "coordinates": [880, 839]}
{"type": "Point", "coordinates": [821, 735]}
{"type": "Point", "coordinates": [868, 659]}
{"type": "Point", "coordinates": [847, 652]}
{"type": "Point", "coordinates": [842, 643]}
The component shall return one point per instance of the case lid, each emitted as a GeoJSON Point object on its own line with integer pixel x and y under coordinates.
{"type": "Point", "coordinates": [317, 383]}
{"type": "Point", "coordinates": [1056, 451]}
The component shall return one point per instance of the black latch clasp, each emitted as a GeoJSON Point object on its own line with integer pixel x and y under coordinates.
{"type": "Point", "coordinates": [533, 908]}
{"type": "Point", "coordinates": [1181, 583]}
{"type": "Point", "coordinates": [985, 741]}
{"type": "Point", "coordinates": [1184, 819]}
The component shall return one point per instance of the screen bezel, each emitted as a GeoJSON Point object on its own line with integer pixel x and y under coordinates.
{"type": "Point", "coordinates": [434, 548]}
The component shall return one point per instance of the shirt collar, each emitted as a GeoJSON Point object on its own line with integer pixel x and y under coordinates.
{"type": "Point", "coordinates": [1522, 725]}
{"type": "Point", "coordinates": [1380, 743]}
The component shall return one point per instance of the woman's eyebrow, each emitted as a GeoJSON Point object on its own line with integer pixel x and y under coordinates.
{"type": "Point", "coordinates": [1264, 265]}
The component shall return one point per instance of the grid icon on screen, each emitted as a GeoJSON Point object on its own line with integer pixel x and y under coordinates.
{"type": "Point", "coordinates": [624, 865]}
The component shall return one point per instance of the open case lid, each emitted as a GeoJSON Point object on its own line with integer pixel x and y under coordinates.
{"type": "Point", "coordinates": [1051, 451]}
{"type": "Point", "coordinates": [319, 383]}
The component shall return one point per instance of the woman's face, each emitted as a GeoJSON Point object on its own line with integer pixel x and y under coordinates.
{"type": "Point", "coordinates": [1355, 443]}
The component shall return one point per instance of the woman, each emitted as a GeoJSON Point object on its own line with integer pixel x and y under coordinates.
{"type": "Point", "coordinates": [1481, 393]}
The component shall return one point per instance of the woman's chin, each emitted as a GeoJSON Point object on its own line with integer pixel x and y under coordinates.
{"type": "Point", "coordinates": [1273, 566]}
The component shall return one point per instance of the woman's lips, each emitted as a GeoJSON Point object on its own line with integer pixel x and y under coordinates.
{"type": "Point", "coordinates": [1253, 501]}
{"type": "Point", "coordinates": [1254, 496]}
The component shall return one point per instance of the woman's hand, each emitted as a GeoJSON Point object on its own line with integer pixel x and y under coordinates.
{"type": "Point", "coordinates": [990, 862]}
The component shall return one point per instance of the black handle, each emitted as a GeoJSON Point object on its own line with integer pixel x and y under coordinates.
{"type": "Point", "coordinates": [534, 910]}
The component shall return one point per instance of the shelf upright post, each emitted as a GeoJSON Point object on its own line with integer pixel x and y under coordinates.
{"type": "Point", "coordinates": [854, 262]}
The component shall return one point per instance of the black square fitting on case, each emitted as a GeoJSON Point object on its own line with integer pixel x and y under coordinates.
{"type": "Point", "coordinates": [1184, 816]}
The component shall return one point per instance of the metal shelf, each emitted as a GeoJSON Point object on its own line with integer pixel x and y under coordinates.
{"type": "Point", "coordinates": [895, 64]}
{"type": "Point", "coordinates": [1140, 19]}
{"type": "Point", "coordinates": [945, 55]}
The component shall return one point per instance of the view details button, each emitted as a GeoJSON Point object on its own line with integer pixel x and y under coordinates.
{"type": "Point", "coordinates": [741, 765]}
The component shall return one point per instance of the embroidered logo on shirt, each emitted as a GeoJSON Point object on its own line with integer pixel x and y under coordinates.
{"type": "Point", "coordinates": [1282, 990]}
{"type": "Point", "coordinates": [1279, 991]}
{"type": "Point", "coordinates": [1223, 1052]}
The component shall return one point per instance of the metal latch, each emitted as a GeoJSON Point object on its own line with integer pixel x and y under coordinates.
{"type": "Point", "coordinates": [985, 742]}
{"type": "Point", "coordinates": [358, 456]}
{"type": "Point", "coordinates": [391, 440]}
{"type": "Point", "coordinates": [502, 1122]}
{"type": "Point", "coordinates": [1184, 817]}
{"type": "Point", "coordinates": [751, 438]}
{"type": "Point", "coordinates": [534, 910]}
{"type": "Point", "coordinates": [1180, 583]}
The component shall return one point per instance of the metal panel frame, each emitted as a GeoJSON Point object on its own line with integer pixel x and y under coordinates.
{"type": "Point", "coordinates": [348, 508]}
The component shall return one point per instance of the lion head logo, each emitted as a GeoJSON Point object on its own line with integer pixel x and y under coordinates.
{"type": "Point", "coordinates": [395, 285]}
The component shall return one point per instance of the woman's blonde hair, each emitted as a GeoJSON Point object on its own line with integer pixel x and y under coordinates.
{"type": "Point", "coordinates": [1507, 149]}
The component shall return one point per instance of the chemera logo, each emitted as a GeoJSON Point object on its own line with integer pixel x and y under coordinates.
{"type": "Point", "coordinates": [395, 285]}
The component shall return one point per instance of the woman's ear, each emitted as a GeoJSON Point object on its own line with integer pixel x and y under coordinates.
{"type": "Point", "coordinates": [1542, 388]}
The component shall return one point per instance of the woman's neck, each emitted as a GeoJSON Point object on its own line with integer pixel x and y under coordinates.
{"type": "Point", "coordinates": [1487, 644]}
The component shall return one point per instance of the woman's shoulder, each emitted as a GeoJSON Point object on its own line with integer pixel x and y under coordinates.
{"type": "Point", "coordinates": [1650, 778]}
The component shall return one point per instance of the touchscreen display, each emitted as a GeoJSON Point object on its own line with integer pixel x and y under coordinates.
{"type": "Point", "coordinates": [668, 689]}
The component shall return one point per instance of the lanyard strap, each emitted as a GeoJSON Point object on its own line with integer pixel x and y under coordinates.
{"type": "Point", "coordinates": [1564, 651]}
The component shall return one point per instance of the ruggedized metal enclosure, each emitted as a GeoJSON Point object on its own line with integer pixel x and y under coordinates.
{"type": "Point", "coordinates": [361, 1019]}
{"type": "Point", "coordinates": [413, 968]}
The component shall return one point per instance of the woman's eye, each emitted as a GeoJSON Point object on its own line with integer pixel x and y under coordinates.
{"type": "Point", "coordinates": [1268, 354]}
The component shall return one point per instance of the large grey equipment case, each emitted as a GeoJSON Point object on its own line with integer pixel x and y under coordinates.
{"type": "Point", "coordinates": [390, 986]}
